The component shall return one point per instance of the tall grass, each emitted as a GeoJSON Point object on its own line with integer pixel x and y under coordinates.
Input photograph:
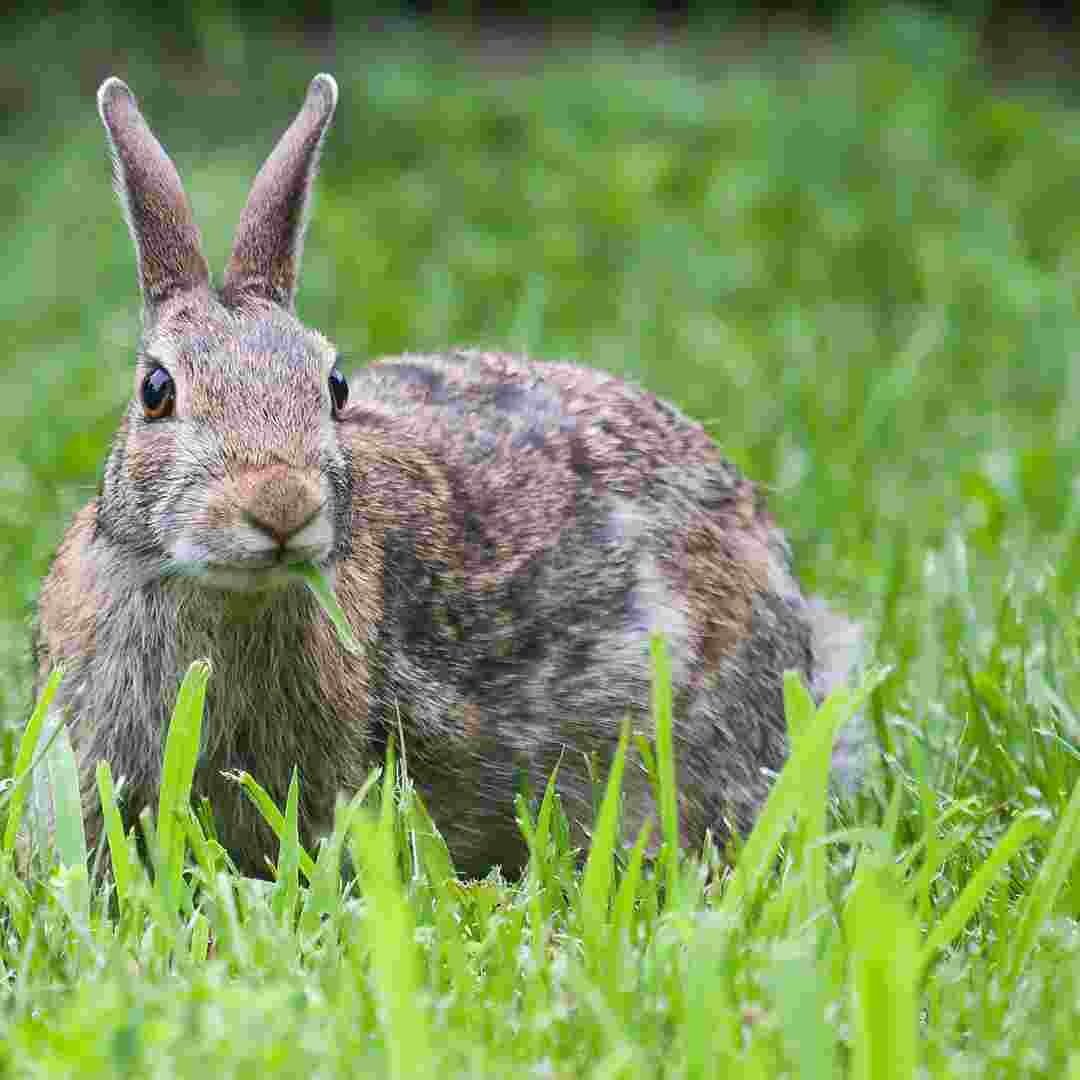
{"type": "Point", "coordinates": [797, 958]}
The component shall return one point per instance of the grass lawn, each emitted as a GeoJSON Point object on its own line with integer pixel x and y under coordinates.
{"type": "Point", "coordinates": [856, 259]}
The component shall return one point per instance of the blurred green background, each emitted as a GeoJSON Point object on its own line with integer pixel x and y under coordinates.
{"type": "Point", "coordinates": [848, 246]}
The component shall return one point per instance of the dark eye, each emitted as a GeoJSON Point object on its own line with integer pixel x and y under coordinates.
{"type": "Point", "coordinates": [339, 389]}
{"type": "Point", "coordinates": [158, 394]}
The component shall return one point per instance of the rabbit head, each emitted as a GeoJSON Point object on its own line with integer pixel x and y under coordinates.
{"type": "Point", "coordinates": [227, 467]}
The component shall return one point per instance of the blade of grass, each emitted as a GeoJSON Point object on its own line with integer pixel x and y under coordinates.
{"type": "Point", "coordinates": [25, 759]}
{"type": "Point", "coordinates": [324, 891]}
{"type": "Point", "coordinates": [950, 843]}
{"type": "Point", "coordinates": [620, 935]}
{"type": "Point", "coordinates": [208, 854]}
{"type": "Point", "coordinates": [931, 836]}
{"type": "Point", "coordinates": [325, 884]}
{"type": "Point", "coordinates": [391, 939]}
{"type": "Point", "coordinates": [801, 992]}
{"type": "Point", "coordinates": [389, 779]}
{"type": "Point", "coordinates": [711, 1028]}
{"type": "Point", "coordinates": [1062, 858]}
{"type": "Point", "coordinates": [1025, 828]}
{"type": "Point", "coordinates": [182, 745]}
{"type": "Point", "coordinates": [537, 923]}
{"type": "Point", "coordinates": [798, 706]}
{"type": "Point", "coordinates": [789, 791]}
{"type": "Point", "coordinates": [626, 894]}
{"type": "Point", "coordinates": [69, 834]}
{"type": "Point", "coordinates": [434, 854]}
{"type": "Point", "coordinates": [885, 967]}
{"type": "Point", "coordinates": [150, 839]}
{"type": "Point", "coordinates": [200, 938]}
{"type": "Point", "coordinates": [667, 796]}
{"type": "Point", "coordinates": [114, 832]}
{"type": "Point", "coordinates": [547, 809]}
{"type": "Point", "coordinates": [600, 864]}
{"type": "Point", "coordinates": [18, 904]}
{"type": "Point", "coordinates": [538, 840]}
{"type": "Point", "coordinates": [809, 851]}
{"type": "Point", "coordinates": [271, 815]}
{"type": "Point", "coordinates": [314, 578]}
{"type": "Point", "coordinates": [286, 890]}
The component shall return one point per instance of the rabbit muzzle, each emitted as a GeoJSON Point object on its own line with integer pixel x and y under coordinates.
{"type": "Point", "coordinates": [254, 526]}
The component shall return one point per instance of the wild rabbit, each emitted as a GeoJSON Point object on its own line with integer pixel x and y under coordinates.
{"type": "Point", "coordinates": [504, 535]}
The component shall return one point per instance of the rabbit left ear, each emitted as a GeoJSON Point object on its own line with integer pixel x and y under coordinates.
{"type": "Point", "coordinates": [157, 210]}
{"type": "Point", "coordinates": [266, 251]}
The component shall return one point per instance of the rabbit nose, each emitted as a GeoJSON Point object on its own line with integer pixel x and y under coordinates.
{"type": "Point", "coordinates": [280, 501]}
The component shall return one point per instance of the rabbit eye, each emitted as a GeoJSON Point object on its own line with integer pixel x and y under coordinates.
{"type": "Point", "coordinates": [158, 394]}
{"type": "Point", "coordinates": [339, 389]}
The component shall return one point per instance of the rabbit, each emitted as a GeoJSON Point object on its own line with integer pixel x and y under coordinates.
{"type": "Point", "coordinates": [505, 536]}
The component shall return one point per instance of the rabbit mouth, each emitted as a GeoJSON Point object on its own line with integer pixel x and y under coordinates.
{"type": "Point", "coordinates": [247, 558]}
{"type": "Point", "coordinates": [245, 580]}
{"type": "Point", "coordinates": [242, 577]}
{"type": "Point", "coordinates": [252, 572]}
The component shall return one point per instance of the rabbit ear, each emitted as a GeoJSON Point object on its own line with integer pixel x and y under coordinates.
{"type": "Point", "coordinates": [266, 250]}
{"type": "Point", "coordinates": [157, 211]}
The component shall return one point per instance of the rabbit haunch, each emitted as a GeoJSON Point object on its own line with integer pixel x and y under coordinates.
{"type": "Point", "coordinates": [504, 536]}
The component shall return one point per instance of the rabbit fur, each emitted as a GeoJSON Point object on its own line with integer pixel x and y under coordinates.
{"type": "Point", "coordinates": [504, 535]}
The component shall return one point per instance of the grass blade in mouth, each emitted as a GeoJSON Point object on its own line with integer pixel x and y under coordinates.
{"type": "Point", "coordinates": [313, 577]}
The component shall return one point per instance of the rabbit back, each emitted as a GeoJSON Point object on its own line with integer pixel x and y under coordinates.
{"type": "Point", "coordinates": [538, 524]}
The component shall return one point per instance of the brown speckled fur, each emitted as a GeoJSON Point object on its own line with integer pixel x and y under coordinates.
{"type": "Point", "coordinates": [505, 535]}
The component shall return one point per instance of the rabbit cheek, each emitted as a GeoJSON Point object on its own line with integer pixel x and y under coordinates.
{"type": "Point", "coordinates": [145, 485]}
{"type": "Point", "coordinates": [70, 599]}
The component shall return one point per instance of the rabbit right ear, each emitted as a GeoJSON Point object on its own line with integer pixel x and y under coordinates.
{"type": "Point", "coordinates": [158, 214]}
{"type": "Point", "coordinates": [265, 257]}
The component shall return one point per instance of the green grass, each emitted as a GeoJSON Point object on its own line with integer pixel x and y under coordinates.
{"type": "Point", "coordinates": [856, 259]}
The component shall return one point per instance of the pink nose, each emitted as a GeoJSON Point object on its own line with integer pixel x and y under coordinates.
{"type": "Point", "coordinates": [280, 500]}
